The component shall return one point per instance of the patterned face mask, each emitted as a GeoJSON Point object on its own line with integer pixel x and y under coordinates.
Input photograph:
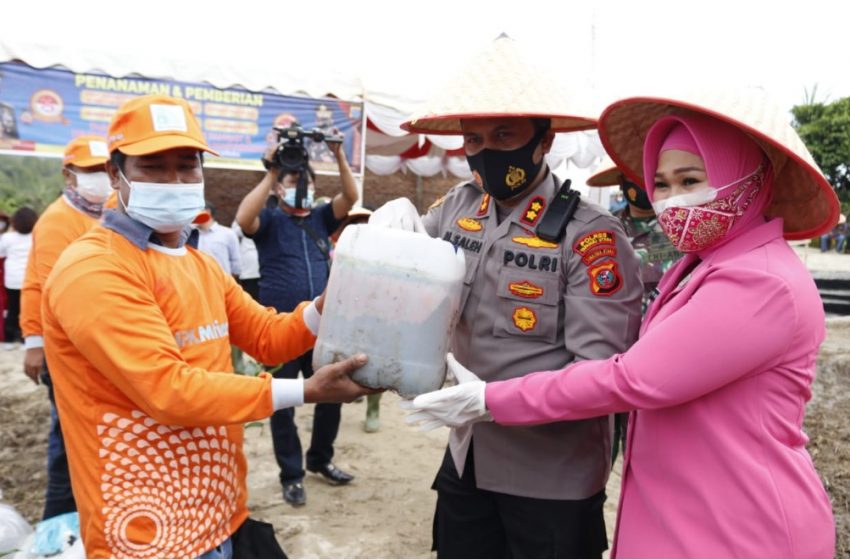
{"type": "Point", "coordinates": [698, 221]}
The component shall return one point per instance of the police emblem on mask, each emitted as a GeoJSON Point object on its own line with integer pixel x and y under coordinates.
{"type": "Point", "coordinates": [515, 177]}
{"type": "Point", "coordinates": [631, 194]}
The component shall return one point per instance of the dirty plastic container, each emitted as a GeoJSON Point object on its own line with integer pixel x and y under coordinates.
{"type": "Point", "coordinates": [395, 296]}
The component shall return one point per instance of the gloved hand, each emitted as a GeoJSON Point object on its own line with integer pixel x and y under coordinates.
{"type": "Point", "coordinates": [399, 213]}
{"type": "Point", "coordinates": [455, 406]}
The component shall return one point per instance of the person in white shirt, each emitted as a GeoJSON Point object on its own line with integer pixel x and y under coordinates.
{"type": "Point", "coordinates": [219, 242]}
{"type": "Point", "coordinates": [15, 247]}
{"type": "Point", "coordinates": [249, 278]}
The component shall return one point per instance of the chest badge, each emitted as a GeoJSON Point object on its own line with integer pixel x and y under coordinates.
{"type": "Point", "coordinates": [534, 242]}
{"type": "Point", "coordinates": [533, 211]}
{"type": "Point", "coordinates": [525, 289]}
{"type": "Point", "coordinates": [524, 318]}
{"type": "Point", "coordinates": [470, 224]}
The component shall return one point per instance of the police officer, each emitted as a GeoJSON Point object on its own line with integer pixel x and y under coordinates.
{"type": "Point", "coordinates": [528, 304]}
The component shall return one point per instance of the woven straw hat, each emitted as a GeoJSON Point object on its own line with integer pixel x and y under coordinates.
{"type": "Point", "coordinates": [499, 82]}
{"type": "Point", "coordinates": [607, 176]}
{"type": "Point", "coordinates": [802, 195]}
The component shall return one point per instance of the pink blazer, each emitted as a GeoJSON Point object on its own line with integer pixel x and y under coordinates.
{"type": "Point", "coordinates": [715, 464]}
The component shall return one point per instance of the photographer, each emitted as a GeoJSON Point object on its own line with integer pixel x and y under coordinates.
{"type": "Point", "coordinates": [292, 244]}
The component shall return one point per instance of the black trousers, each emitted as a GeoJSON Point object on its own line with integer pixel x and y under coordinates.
{"type": "Point", "coordinates": [11, 326]}
{"type": "Point", "coordinates": [287, 444]}
{"type": "Point", "coordinates": [474, 523]}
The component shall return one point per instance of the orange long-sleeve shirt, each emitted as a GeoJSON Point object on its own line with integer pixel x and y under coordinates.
{"type": "Point", "coordinates": [139, 347]}
{"type": "Point", "coordinates": [59, 225]}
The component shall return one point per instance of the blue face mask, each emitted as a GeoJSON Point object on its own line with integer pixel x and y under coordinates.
{"type": "Point", "coordinates": [289, 198]}
{"type": "Point", "coordinates": [164, 207]}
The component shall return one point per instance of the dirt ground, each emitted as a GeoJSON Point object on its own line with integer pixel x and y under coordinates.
{"type": "Point", "coordinates": [386, 512]}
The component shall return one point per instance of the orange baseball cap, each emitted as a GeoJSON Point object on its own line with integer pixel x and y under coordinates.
{"type": "Point", "coordinates": [86, 151]}
{"type": "Point", "coordinates": [155, 123]}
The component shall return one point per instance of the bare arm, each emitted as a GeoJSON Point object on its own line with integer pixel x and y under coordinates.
{"type": "Point", "coordinates": [343, 201]}
{"type": "Point", "coordinates": [248, 213]}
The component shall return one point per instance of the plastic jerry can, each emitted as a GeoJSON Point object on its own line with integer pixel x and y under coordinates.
{"type": "Point", "coordinates": [394, 295]}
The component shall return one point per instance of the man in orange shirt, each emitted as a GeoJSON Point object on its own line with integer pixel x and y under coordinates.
{"type": "Point", "coordinates": [138, 327]}
{"type": "Point", "coordinates": [71, 215]}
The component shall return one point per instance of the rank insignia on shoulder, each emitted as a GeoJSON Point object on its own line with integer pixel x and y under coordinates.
{"type": "Point", "coordinates": [524, 318]}
{"type": "Point", "coordinates": [437, 203]}
{"type": "Point", "coordinates": [533, 211]}
{"type": "Point", "coordinates": [484, 206]}
{"type": "Point", "coordinates": [604, 279]}
{"type": "Point", "coordinates": [534, 242]}
{"type": "Point", "coordinates": [525, 289]}
{"type": "Point", "coordinates": [470, 224]}
{"type": "Point", "coordinates": [595, 246]}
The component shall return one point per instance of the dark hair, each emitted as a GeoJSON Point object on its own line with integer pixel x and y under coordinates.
{"type": "Point", "coordinates": [23, 220]}
{"type": "Point", "coordinates": [210, 206]}
{"type": "Point", "coordinates": [118, 159]}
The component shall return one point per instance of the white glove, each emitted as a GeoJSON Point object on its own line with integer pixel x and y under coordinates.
{"type": "Point", "coordinates": [455, 406]}
{"type": "Point", "coordinates": [398, 214]}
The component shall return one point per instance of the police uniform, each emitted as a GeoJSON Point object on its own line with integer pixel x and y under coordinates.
{"type": "Point", "coordinates": [532, 305]}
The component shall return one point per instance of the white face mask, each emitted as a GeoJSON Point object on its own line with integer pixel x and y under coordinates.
{"type": "Point", "coordinates": [164, 207]}
{"type": "Point", "coordinates": [94, 187]}
{"type": "Point", "coordinates": [698, 197]}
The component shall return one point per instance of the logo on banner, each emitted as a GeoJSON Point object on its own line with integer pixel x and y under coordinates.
{"type": "Point", "coordinates": [46, 106]}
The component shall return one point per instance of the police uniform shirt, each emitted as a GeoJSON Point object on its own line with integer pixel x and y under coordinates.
{"type": "Point", "coordinates": [530, 305]}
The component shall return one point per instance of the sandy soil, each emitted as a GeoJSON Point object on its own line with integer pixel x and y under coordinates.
{"type": "Point", "coordinates": [386, 512]}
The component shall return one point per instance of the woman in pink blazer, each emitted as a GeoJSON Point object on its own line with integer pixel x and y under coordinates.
{"type": "Point", "coordinates": [717, 384]}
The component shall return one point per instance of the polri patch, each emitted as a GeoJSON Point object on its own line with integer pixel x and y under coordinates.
{"type": "Point", "coordinates": [604, 279]}
{"type": "Point", "coordinates": [524, 318]}
{"type": "Point", "coordinates": [596, 245]}
{"type": "Point", "coordinates": [470, 224]}
{"type": "Point", "coordinates": [525, 289]}
{"type": "Point", "coordinates": [533, 211]}
{"type": "Point", "coordinates": [484, 206]}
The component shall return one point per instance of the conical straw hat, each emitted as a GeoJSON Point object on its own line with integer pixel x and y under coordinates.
{"type": "Point", "coordinates": [607, 176]}
{"type": "Point", "coordinates": [499, 82]}
{"type": "Point", "coordinates": [802, 195]}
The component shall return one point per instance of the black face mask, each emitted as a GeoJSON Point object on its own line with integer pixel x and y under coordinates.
{"type": "Point", "coordinates": [505, 174]}
{"type": "Point", "coordinates": [635, 195]}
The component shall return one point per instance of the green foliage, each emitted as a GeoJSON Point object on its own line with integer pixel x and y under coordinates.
{"type": "Point", "coordinates": [29, 181]}
{"type": "Point", "coordinates": [825, 128]}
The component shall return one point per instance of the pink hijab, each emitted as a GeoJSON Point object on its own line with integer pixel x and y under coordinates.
{"type": "Point", "coordinates": [729, 156]}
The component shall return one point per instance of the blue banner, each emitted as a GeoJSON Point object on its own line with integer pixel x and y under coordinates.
{"type": "Point", "coordinates": [41, 110]}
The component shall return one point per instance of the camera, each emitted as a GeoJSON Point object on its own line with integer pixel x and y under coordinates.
{"type": "Point", "coordinates": [291, 155]}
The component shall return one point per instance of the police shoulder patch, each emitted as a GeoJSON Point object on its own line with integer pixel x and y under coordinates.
{"type": "Point", "coordinates": [596, 245]}
{"type": "Point", "coordinates": [605, 278]}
